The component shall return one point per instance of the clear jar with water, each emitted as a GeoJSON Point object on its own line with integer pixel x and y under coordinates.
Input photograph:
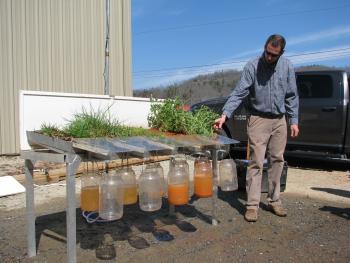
{"type": "Point", "coordinates": [130, 187]}
{"type": "Point", "coordinates": [228, 175]}
{"type": "Point", "coordinates": [160, 172]}
{"type": "Point", "coordinates": [89, 194]}
{"type": "Point", "coordinates": [111, 197]}
{"type": "Point", "coordinates": [150, 190]}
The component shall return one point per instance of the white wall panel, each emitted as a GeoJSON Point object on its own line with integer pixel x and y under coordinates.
{"type": "Point", "coordinates": [37, 108]}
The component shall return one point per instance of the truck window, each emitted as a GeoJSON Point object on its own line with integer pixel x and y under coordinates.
{"type": "Point", "coordinates": [315, 86]}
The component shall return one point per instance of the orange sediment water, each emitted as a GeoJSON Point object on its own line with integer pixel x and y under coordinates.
{"type": "Point", "coordinates": [203, 186]}
{"type": "Point", "coordinates": [89, 198]}
{"type": "Point", "coordinates": [130, 195]}
{"type": "Point", "coordinates": [178, 194]}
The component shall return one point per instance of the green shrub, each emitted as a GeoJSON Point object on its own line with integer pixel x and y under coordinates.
{"type": "Point", "coordinates": [170, 116]}
{"type": "Point", "coordinates": [202, 121]}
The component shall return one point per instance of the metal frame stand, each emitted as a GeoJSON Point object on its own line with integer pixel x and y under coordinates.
{"type": "Point", "coordinates": [214, 154]}
{"type": "Point", "coordinates": [30, 209]}
{"type": "Point", "coordinates": [71, 167]}
{"type": "Point", "coordinates": [72, 163]}
{"type": "Point", "coordinates": [63, 152]}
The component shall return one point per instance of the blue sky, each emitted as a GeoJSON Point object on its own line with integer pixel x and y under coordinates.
{"type": "Point", "coordinates": [174, 40]}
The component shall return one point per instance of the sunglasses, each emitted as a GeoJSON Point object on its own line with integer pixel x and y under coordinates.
{"type": "Point", "coordinates": [271, 54]}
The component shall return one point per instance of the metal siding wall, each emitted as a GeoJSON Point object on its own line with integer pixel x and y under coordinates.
{"type": "Point", "coordinates": [120, 58]}
{"type": "Point", "coordinates": [32, 48]}
{"type": "Point", "coordinates": [6, 74]}
{"type": "Point", "coordinates": [115, 39]}
{"type": "Point", "coordinates": [19, 70]}
{"type": "Point", "coordinates": [127, 46]}
{"type": "Point", "coordinates": [58, 45]}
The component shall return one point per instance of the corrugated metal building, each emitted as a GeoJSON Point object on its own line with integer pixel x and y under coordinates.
{"type": "Point", "coordinates": [58, 45]}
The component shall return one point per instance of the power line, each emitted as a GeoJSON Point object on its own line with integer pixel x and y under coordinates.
{"type": "Point", "coordinates": [320, 52]}
{"type": "Point", "coordinates": [167, 71]}
{"type": "Point", "coordinates": [203, 71]}
{"type": "Point", "coordinates": [236, 19]}
{"type": "Point", "coordinates": [189, 67]}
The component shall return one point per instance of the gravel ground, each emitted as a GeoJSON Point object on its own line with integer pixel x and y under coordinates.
{"type": "Point", "coordinates": [317, 227]}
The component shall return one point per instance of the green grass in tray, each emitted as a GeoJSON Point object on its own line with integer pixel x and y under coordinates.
{"type": "Point", "coordinates": [52, 130]}
{"type": "Point", "coordinates": [166, 116]}
{"type": "Point", "coordinates": [92, 124]}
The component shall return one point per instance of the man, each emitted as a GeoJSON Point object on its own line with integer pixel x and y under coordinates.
{"type": "Point", "coordinates": [269, 83]}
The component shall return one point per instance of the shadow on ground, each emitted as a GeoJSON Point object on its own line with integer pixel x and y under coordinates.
{"type": "Point", "coordinates": [342, 212]}
{"type": "Point", "coordinates": [131, 227]}
{"type": "Point", "coordinates": [235, 199]}
{"type": "Point", "coordinates": [317, 164]}
{"type": "Point", "coordinates": [339, 192]}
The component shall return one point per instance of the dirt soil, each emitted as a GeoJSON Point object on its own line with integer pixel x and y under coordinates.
{"type": "Point", "coordinates": [317, 228]}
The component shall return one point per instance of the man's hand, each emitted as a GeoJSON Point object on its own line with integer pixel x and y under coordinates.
{"type": "Point", "coordinates": [219, 122]}
{"type": "Point", "coordinates": [294, 130]}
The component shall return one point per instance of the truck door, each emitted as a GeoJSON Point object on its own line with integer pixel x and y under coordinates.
{"type": "Point", "coordinates": [321, 111]}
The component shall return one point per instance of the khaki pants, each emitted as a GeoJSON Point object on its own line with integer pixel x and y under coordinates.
{"type": "Point", "coordinates": [265, 135]}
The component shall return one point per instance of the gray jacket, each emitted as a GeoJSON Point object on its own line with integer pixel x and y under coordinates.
{"type": "Point", "coordinates": [271, 89]}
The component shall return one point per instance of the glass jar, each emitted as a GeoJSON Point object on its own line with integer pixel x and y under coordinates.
{"type": "Point", "coordinates": [150, 190]}
{"type": "Point", "coordinates": [228, 175]}
{"type": "Point", "coordinates": [178, 182]}
{"type": "Point", "coordinates": [203, 177]}
{"type": "Point", "coordinates": [89, 195]}
{"type": "Point", "coordinates": [160, 172]}
{"type": "Point", "coordinates": [130, 187]}
{"type": "Point", "coordinates": [180, 160]}
{"type": "Point", "coordinates": [111, 196]}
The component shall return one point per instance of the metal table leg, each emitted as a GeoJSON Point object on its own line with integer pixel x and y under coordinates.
{"type": "Point", "coordinates": [214, 220]}
{"type": "Point", "coordinates": [71, 168]}
{"type": "Point", "coordinates": [30, 211]}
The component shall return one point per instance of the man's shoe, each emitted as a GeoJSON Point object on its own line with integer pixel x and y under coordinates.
{"type": "Point", "coordinates": [277, 209]}
{"type": "Point", "coordinates": [251, 215]}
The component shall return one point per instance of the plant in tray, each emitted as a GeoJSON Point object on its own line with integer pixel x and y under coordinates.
{"type": "Point", "coordinates": [92, 124]}
{"type": "Point", "coordinates": [167, 116]}
{"type": "Point", "coordinates": [202, 121]}
{"type": "Point", "coordinates": [170, 116]}
{"type": "Point", "coordinates": [52, 131]}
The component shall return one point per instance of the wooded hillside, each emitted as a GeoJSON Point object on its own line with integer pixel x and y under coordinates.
{"type": "Point", "coordinates": [204, 87]}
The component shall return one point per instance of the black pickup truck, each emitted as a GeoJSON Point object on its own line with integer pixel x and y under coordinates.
{"type": "Point", "coordinates": [323, 117]}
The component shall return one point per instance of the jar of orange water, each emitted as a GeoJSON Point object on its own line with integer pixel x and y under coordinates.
{"type": "Point", "coordinates": [203, 177]}
{"type": "Point", "coordinates": [129, 184]}
{"type": "Point", "coordinates": [178, 183]}
{"type": "Point", "coordinates": [89, 195]}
